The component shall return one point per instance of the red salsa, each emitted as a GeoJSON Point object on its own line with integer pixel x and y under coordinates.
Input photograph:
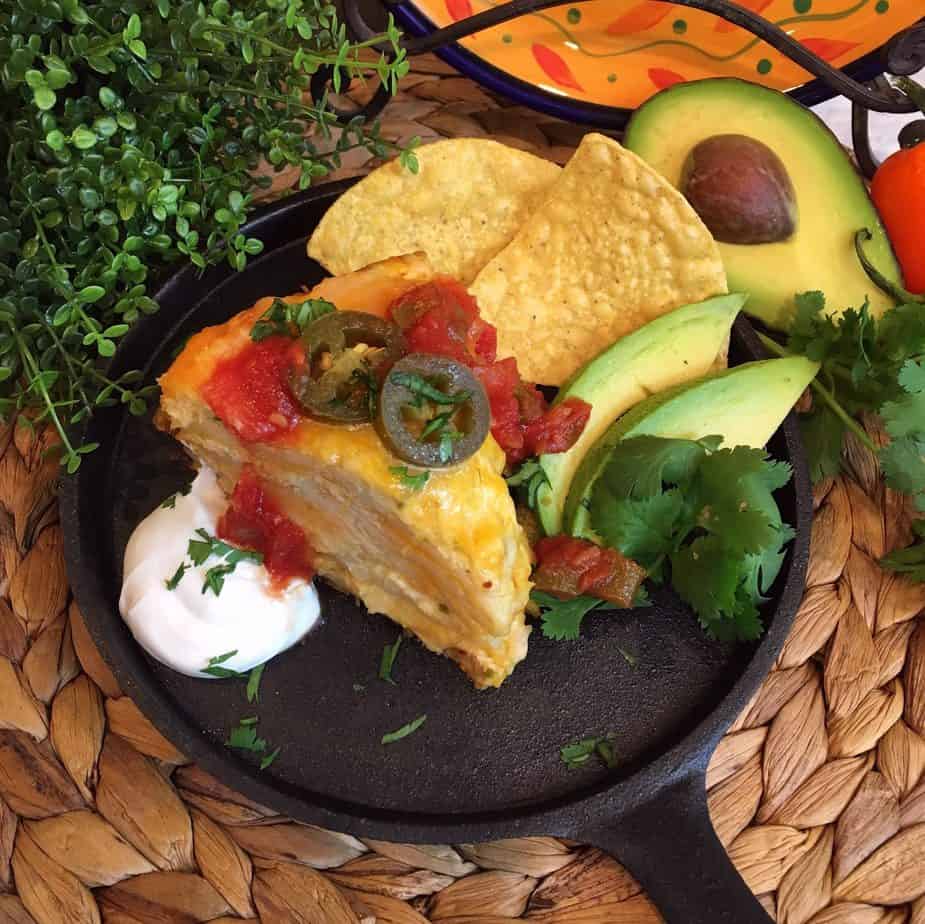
{"type": "Point", "coordinates": [440, 317]}
{"type": "Point", "coordinates": [569, 567]}
{"type": "Point", "coordinates": [250, 392]}
{"type": "Point", "coordinates": [255, 521]}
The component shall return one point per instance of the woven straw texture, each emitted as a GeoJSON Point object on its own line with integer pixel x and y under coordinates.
{"type": "Point", "coordinates": [818, 790]}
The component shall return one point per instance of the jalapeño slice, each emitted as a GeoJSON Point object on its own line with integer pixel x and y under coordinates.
{"type": "Point", "coordinates": [338, 384]}
{"type": "Point", "coordinates": [433, 412]}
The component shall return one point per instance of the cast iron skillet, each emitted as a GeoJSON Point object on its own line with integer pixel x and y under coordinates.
{"type": "Point", "coordinates": [485, 764]}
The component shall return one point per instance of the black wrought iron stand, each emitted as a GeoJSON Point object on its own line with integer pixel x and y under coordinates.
{"type": "Point", "coordinates": [903, 56]}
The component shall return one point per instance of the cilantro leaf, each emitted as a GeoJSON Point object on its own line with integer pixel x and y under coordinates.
{"type": "Point", "coordinates": [423, 390]}
{"type": "Point", "coordinates": [215, 578]}
{"type": "Point", "coordinates": [253, 682]}
{"type": "Point", "coordinates": [201, 549]}
{"type": "Point", "coordinates": [269, 759]}
{"type": "Point", "coordinates": [531, 478]}
{"type": "Point", "coordinates": [905, 416]}
{"type": "Point", "coordinates": [222, 658]}
{"type": "Point", "coordinates": [823, 434]}
{"type": "Point", "coordinates": [405, 730]}
{"type": "Point", "coordinates": [648, 461]}
{"type": "Point", "coordinates": [214, 666]}
{"type": "Point", "coordinates": [903, 464]}
{"type": "Point", "coordinates": [289, 319]}
{"type": "Point", "coordinates": [171, 502]}
{"type": "Point", "coordinates": [244, 737]}
{"type": "Point", "coordinates": [562, 618]}
{"type": "Point", "coordinates": [642, 529]}
{"type": "Point", "coordinates": [172, 582]}
{"type": "Point", "coordinates": [387, 661]}
{"type": "Point", "coordinates": [909, 561]}
{"type": "Point", "coordinates": [414, 482]}
{"type": "Point", "coordinates": [912, 376]}
{"type": "Point", "coordinates": [579, 753]}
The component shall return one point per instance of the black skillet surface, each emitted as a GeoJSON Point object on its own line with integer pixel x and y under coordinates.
{"type": "Point", "coordinates": [485, 764]}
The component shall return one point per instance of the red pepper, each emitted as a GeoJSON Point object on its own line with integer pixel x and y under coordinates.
{"type": "Point", "coordinates": [898, 191]}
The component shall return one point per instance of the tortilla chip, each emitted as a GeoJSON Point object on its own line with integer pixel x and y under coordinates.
{"type": "Point", "coordinates": [465, 203]}
{"type": "Point", "coordinates": [613, 246]}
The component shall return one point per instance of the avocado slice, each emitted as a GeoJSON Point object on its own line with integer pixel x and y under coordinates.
{"type": "Point", "coordinates": [831, 199]}
{"type": "Point", "coordinates": [744, 405]}
{"type": "Point", "coordinates": [677, 347]}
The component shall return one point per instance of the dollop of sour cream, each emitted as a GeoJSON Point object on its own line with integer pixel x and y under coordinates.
{"type": "Point", "coordinates": [185, 628]}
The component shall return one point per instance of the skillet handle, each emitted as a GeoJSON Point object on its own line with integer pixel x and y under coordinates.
{"type": "Point", "coordinates": [670, 847]}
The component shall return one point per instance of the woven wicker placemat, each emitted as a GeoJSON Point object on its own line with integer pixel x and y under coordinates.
{"type": "Point", "coordinates": [818, 790]}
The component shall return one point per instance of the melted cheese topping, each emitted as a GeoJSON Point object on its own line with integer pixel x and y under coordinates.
{"type": "Point", "coordinates": [449, 562]}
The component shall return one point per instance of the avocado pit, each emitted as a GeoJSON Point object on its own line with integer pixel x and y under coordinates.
{"type": "Point", "coordinates": [741, 190]}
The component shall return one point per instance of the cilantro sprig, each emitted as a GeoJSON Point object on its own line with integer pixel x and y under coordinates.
{"type": "Point", "coordinates": [868, 365]}
{"type": "Point", "coordinates": [701, 517]}
{"type": "Point", "coordinates": [561, 619]}
{"type": "Point", "coordinates": [872, 366]}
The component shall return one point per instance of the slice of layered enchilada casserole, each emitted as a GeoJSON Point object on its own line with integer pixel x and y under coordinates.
{"type": "Point", "coordinates": [382, 483]}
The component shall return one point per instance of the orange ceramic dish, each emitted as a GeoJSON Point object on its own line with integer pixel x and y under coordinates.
{"type": "Point", "coordinates": [619, 52]}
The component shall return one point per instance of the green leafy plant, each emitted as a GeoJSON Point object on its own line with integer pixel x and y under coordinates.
{"type": "Point", "coordinates": [135, 136]}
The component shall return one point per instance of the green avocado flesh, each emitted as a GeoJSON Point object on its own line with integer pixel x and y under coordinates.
{"type": "Point", "coordinates": [831, 199]}
{"type": "Point", "coordinates": [677, 347]}
{"type": "Point", "coordinates": [743, 405]}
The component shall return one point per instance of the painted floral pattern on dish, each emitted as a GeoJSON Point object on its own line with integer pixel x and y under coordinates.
{"type": "Point", "coordinates": [620, 52]}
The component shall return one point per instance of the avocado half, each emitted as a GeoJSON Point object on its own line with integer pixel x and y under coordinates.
{"type": "Point", "coordinates": [744, 405]}
{"type": "Point", "coordinates": [682, 345]}
{"type": "Point", "coordinates": [831, 198]}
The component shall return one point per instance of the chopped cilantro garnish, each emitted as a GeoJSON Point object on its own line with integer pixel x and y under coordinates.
{"type": "Point", "coordinates": [214, 667]}
{"type": "Point", "coordinates": [579, 753]}
{"type": "Point", "coordinates": [289, 319]}
{"type": "Point", "coordinates": [171, 501]}
{"type": "Point", "coordinates": [405, 730]}
{"type": "Point", "coordinates": [703, 517]}
{"type": "Point", "coordinates": [222, 658]}
{"type": "Point", "coordinates": [413, 482]}
{"type": "Point", "coordinates": [530, 477]}
{"type": "Point", "coordinates": [387, 661]}
{"type": "Point", "coordinates": [172, 582]}
{"type": "Point", "coordinates": [562, 618]}
{"type": "Point", "coordinates": [253, 683]}
{"type": "Point", "coordinates": [436, 424]}
{"type": "Point", "coordinates": [422, 390]}
{"type": "Point", "coordinates": [447, 438]}
{"type": "Point", "coordinates": [244, 737]}
{"type": "Point", "coordinates": [269, 759]}
{"type": "Point", "coordinates": [201, 549]}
